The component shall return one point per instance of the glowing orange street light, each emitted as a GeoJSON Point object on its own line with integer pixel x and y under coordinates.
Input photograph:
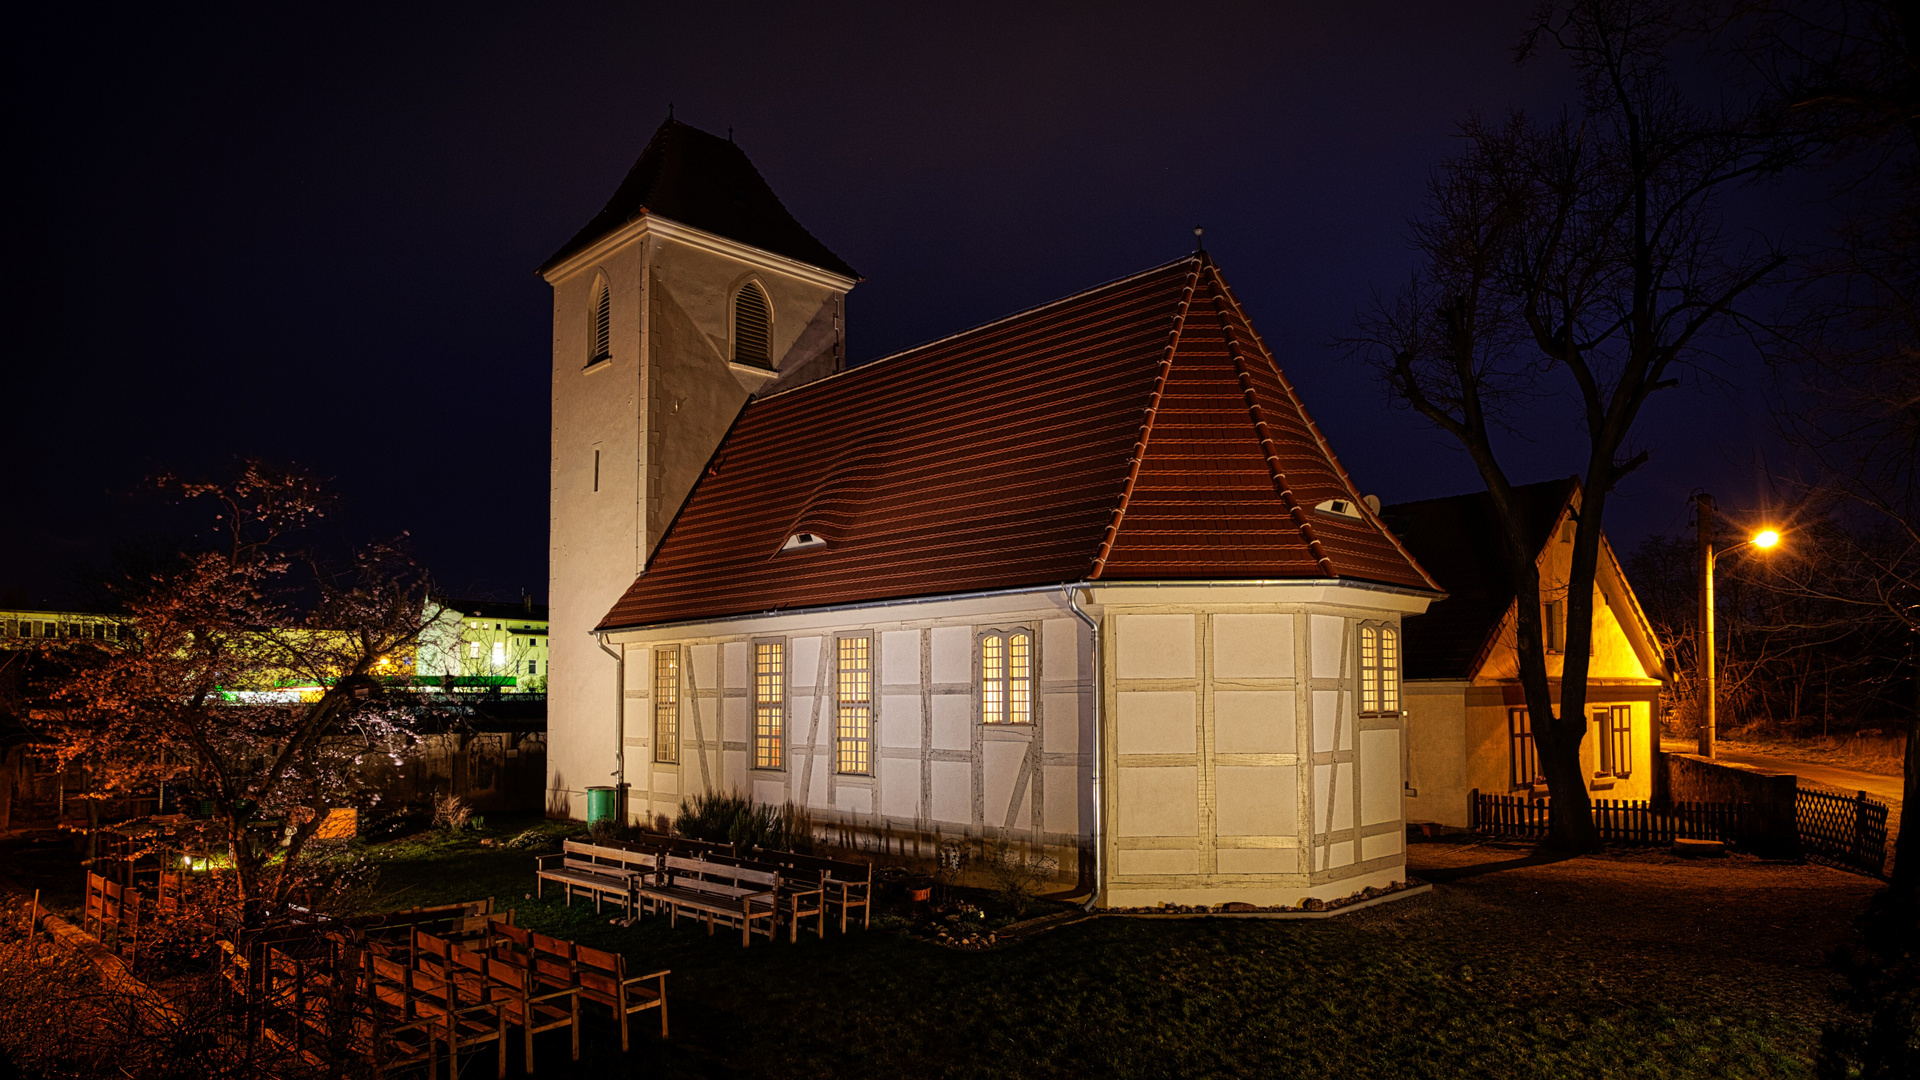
{"type": "Point", "coordinates": [1764, 540]}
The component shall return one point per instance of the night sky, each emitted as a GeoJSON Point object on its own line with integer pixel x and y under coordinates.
{"type": "Point", "coordinates": [310, 235]}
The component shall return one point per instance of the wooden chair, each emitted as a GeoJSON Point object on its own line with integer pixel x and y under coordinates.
{"type": "Point", "coordinates": [464, 1024]}
{"type": "Point", "coordinates": [513, 986]}
{"type": "Point", "coordinates": [603, 979]}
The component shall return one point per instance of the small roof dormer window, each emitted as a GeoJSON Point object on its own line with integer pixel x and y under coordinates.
{"type": "Point", "coordinates": [752, 327]}
{"type": "Point", "coordinates": [1340, 508]}
{"type": "Point", "coordinates": [802, 541]}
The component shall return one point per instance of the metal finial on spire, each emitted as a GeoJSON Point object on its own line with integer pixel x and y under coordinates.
{"type": "Point", "coordinates": [1198, 244]}
{"type": "Point", "coordinates": [669, 110]}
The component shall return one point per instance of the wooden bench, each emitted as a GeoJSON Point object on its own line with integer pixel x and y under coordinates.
{"type": "Point", "coordinates": [799, 894]}
{"type": "Point", "coordinates": [848, 885]}
{"type": "Point", "coordinates": [733, 895]}
{"type": "Point", "coordinates": [591, 869]}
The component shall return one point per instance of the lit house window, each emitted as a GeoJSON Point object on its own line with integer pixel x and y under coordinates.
{"type": "Point", "coordinates": [769, 704]}
{"type": "Point", "coordinates": [1613, 741]}
{"type": "Point", "coordinates": [1523, 762]}
{"type": "Point", "coordinates": [666, 703]}
{"type": "Point", "coordinates": [1379, 670]}
{"type": "Point", "coordinates": [600, 324]}
{"type": "Point", "coordinates": [853, 705]}
{"type": "Point", "coordinates": [1006, 677]}
{"type": "Point", "coordinates": [499, 653]}
{"type": "Point", "coordinates": [473, 650]}
{"type": "Point", "coordinates": [752, 320]}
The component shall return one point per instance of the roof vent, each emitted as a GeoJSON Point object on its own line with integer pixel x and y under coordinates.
{"type": "Point", "coordinates": [801, 541]}
{"type": "Point", "coordinates": [1340, 508]}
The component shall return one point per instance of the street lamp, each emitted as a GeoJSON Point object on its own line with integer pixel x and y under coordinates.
{"type": "Point", "coordinates": [1764, 539]}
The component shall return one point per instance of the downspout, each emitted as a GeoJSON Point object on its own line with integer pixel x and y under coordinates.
{"type": "Point", "coordinates": [619, 723]}
{"type": "Point", "coordinates": [1099, 692]}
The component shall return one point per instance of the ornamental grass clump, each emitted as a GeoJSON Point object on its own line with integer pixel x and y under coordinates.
{"type": "Point", "coordinates": [730, 817]}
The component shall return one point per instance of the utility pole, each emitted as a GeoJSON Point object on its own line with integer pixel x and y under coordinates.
{"type": "Point", "coordinates": [1704, 648]}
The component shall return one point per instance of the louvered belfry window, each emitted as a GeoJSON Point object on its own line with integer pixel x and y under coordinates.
{"type": "Point", "coordinates": [751, 324]}
{"type": "Point", "coordinates": [600, 324]}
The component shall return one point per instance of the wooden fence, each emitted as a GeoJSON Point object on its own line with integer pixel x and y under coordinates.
{"type": "Point", "coordinates": [1849, 832]}
{"type": "Point", "coordinates": [1846, 832]}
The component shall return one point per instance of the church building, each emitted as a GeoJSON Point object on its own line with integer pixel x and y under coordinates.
{"type": "Point", "coordinates": [1086, 579]}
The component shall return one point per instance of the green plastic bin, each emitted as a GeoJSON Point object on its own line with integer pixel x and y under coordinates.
{"type": "Point", "coordinates": [603, 804]}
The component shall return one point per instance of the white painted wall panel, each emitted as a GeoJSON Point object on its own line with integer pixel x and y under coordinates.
{"type": "Point", "coordinates": [639, 671]}
{"type": "Point", "coordinates": [1342, 795]}
{"type": "Point", "coordinates": [1257, 860]}
{"type": "Point", "coordinates": [953, 792]}
{"type": "Point", "coordinates": [1252, 646]}
{"type": "Point", "coordinates": [771, 792]}
{"type": "Point", "coordinates": [1155, 646]}
{"type": "Point", "coordinates": [1158, 801]}
{"type": "Point", "coordinates": [736, 656]}
{"type": "Point", "coordinates": [1326, 710]}
{"type": "Point", "coordinates": [817, 788]}
{"type": "Point", "coordinates": [1060, 655]}
{"type": "Point", "coordinates": [1132, 863]}
{"type": "Point", "coordinates": [854, 799]}
{"type": "Point", "coordinates": [952, 655]}
{"type": "Point", "coordinates": [900, 788]}
{"type": "Point", "coordinates": [1065, 714]}
{"type": "Point", "coordinates": [1002, 768]}
{"type": "Point", "coordinates": [1380, 790]}
{"type": "Point", "coordinates": [1159, 722]}
{"type": "Point", "coordinates": [803, 661]}
{"type": "Point", "coordinates": [900, 721]}
{"type": "Point", "coordinates": [1339, 855]}
{"type": "Point", "coordinates": [1326, 643]}
{"type": "Point", "coordinates": [666, 782]}
{"type": "Point", "coordinates": [1062, 811]}
{"type": "Point", "coordinates": [733, 771]}
{"type": "Point", "coordinates": [900, 658]}
{"type": "Point", "coordinates": [1256, 800]}
{"type": "Point", "coordinates": [1373, 847]}
{"type": "Point", "coordinates": [952, 722]}
{"type": "Point", "coordinates": [734, 719]}
{"type": "Point", "coordinates": [1253, 722]}
{"type": "Point", "coordinates": [705, 668]}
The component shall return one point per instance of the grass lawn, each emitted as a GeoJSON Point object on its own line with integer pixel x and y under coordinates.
{"type": "Point", "coordinates": [1612, 966]}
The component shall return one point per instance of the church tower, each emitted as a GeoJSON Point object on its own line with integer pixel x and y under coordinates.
{"type": "Point", "coordinates": [692, 290]}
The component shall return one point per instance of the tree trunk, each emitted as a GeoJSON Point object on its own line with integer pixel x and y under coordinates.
{"type": "Point", "coordinates": [1906, 847]}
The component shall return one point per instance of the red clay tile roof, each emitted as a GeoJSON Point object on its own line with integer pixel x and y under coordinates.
{"type": "Point", "coordinates": [702, 180]}
{"type": "Point", "coordinates": [1136, 431]}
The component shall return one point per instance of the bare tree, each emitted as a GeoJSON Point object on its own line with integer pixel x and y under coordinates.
{"type": "Point", "coordinates": [197, 692]}
{"type": "Point", "coordinates": [1845, 75]}
{"type": "Point", "coordinates": [1576, 264]}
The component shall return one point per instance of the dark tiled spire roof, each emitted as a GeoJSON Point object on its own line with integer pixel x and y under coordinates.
{"type": "Point", "coordinates": [702, 180]}
{"type": "Point", "coordinates": [1005, 457]}
{"type": "Point", "coordinates": [1457, 539]}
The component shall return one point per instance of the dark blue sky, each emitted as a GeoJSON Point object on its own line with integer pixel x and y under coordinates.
{"type": "Point", "coordinates": [310, 234]}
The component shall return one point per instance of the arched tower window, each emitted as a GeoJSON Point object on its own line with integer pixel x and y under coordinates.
{"type": "Point", "coordinates": [600, 324]}
{"type": "Point", "coordinates": [751, 322]}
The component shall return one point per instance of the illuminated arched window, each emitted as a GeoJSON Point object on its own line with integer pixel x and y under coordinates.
{"type": "Point", "coordinates": [1006, 677]}
{"type": "Point", "coordinates": [752, 325]}
{"type": "Point", "coordinates": [1379, 670]}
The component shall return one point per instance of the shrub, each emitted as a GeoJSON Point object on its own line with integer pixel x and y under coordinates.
{"type": "Point", "coordinates": [1018, 876]}
{"type": "Point", "coordinates": [730, 817]}
{"type": "Point", "coordinates": [451, 812]}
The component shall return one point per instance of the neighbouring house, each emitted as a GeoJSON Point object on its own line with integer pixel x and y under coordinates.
{"type": "Point", "coordinates": [484, 645]}
{"type": "Point", "coordinates": [1086, 579]}
{"type": "Point", "coordinates": [1467, 722]}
